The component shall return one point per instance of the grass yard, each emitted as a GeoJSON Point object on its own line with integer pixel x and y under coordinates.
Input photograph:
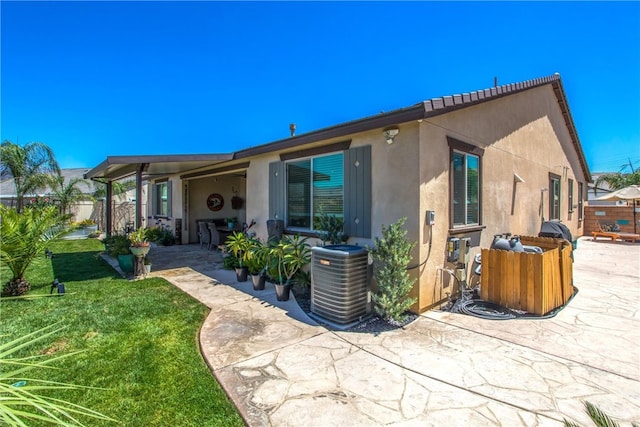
{"type": "Point", "coordinates": [139, 341]}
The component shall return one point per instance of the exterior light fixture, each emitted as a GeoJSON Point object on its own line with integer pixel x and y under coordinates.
{"type": "Point", "coordinates": [390, 133]}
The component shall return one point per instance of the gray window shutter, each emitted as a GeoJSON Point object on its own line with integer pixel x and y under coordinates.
{"type": "Point", "coordinates": [357, 192]}
{"type": "Point", "coordinates": [154, 200]}
{"type": "Point", "coordinates": [277, 190]}
{"type": "Point", "coordinates": [169, 197]}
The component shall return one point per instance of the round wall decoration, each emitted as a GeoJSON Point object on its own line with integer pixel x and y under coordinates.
{"type": "Point", "coordinates": [215, 202]}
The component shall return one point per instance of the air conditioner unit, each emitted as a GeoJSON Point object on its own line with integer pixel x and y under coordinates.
{"type": "Point", "coordinates": [340, 283]}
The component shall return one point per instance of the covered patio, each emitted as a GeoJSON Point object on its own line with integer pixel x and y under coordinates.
{"type": "Point", "coordinates": [178, 170]}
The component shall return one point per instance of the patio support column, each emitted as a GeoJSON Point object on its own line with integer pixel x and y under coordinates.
{"type": "Point", "coordinates": [139, 196]}
{"type": "Point", "coordinates": [108, 205]}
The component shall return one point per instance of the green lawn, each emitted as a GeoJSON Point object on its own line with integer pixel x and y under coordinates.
{"type": "Point", "coordinates": [139, 341]}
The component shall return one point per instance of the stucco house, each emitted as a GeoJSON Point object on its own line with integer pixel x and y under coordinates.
{"type": "Point", "coordinates": [497, 160]}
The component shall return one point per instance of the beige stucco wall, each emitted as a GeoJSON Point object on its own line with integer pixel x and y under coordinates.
{"type": "Point", "coordinates": [522, 134]}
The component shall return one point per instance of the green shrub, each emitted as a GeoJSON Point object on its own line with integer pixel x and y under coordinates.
{"type": "Point", "coordinates": [161, 235]}
{"type": "Point", "coordinates": [117, 244]}
{"type": "Point", "coordinates": [230, 262]}
{"type": "Point", "coordinates": [391, 256]}
{"type": "Point", "coordinates": [330, 229]}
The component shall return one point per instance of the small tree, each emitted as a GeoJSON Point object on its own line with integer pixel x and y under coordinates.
{"type": "Point", "coordinates": [391, 256]}
{"type": "Point", "coordinates": [67, 194]}
{"type": "Point", "coordinates": [23, 236]}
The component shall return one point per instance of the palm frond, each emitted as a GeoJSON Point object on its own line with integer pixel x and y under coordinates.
{"type": "Point", "coordinates": [21, 400]}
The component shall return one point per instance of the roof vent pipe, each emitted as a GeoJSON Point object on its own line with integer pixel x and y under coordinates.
{"type": "Point", "coordinates": [292, 129]}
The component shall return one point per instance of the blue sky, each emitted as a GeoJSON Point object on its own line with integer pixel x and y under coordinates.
{"type": "Point", "coordinates": [93, 79]}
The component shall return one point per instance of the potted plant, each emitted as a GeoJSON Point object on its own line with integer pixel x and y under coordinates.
{"type": "Point", "coordinates": [231, 222]}
{"type": "Point", "coordinates": [239, 245]}
{"type": "Point", "coordinates": [288, 256]}
{"type": "Point", "coordinates": [118, 246]}
{"type": "Point", "coordinates": [257, 263]}
{"type": "Point", "coordinates": [147, 265]}
{"type": "Point", "coordinates": [139, 242]}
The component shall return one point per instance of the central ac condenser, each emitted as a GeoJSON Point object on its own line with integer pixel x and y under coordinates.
{"type": "Point", "coordinates": [340, 283]}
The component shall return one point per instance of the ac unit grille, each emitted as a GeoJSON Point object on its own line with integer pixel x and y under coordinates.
{"type": "Point", "coordinates": [340, 283]}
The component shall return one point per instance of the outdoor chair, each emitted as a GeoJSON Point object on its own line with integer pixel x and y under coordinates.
{"type": "Point", "coordinates": [214, 240]}
{"type": "Point", "coordinates": [204, 236]}
{"type": "Point", "coordinates": [612, 231]}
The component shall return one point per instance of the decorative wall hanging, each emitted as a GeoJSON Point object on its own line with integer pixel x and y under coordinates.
{"type": "Point", "coordinates": [236, 202]}
{"type": "Point", "coordinates": [215, 202]}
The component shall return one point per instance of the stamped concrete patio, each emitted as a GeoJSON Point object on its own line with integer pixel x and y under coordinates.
{"type": "Point", "coordinates": [280, 368]}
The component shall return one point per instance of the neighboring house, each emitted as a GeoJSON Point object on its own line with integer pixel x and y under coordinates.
{"type": "Point", "coordinates": [498, 160]}
{"type": "Point", "coordinates": [84, 209]}
{"type": "Point", "coordinates": [81, 210]}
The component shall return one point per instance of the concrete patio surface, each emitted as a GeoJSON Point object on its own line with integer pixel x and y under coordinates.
{"type": "Point", "coordinates": [281, 368]}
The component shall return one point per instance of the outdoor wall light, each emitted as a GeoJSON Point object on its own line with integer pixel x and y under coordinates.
{"type": "Point", "coordinates": [517, 178]}
{"type": "Point", "coordinates": [391, 133]}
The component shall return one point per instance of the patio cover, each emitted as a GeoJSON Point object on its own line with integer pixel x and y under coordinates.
{"type": "Point", "coordinates": [115, 168]}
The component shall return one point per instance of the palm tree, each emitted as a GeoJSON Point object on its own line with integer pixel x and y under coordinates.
{"type": "Point", "coordinates": [117, 188]}
{"type": "Point", "coordinates": [23, 236]}
{"type": "Point", "coordinates": [618, 180]}
{"type": "Point", "coordinates": [29, 165]}
{"type": "Point", "coordinates": [67, 194]}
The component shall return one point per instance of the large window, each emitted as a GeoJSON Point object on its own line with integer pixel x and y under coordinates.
{"type": "Point", "coordinates": [333, 179]}
{"type": "Point", "coordinates": [554, 197]}
{"type": "Point", "coordinates": [314, 185]}
{"type": "Point", "coordinates": [466, 189]}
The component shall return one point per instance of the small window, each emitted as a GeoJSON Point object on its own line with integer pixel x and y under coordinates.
{"type": "Point", "coordinates": [162, 199]}
{"type": "Point", "coordinates": [466, 189]}
{"type": "Point", "coordinates": [570, 196]}
{"type": "Point", "coordinates": [554, 197]}
{"type": "Point", "coordinates": [314, 186]}
{"type": "Point", "coordinates": [580, 201]}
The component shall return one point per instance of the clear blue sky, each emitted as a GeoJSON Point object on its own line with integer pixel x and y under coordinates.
{"type": "Point", "coordinates": [93, 79]}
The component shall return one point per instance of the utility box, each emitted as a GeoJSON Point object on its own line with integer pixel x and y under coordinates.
{"type": "Point", "coordinates": [340, 283]}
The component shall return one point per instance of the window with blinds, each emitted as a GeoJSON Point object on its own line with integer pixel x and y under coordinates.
{"type": "Point", "coordinates": [314, 186]}
{"type": "Point", "coordinates": [466, 189]}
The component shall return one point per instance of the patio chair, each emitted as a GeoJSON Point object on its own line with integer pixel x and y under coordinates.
{"type": "Point", "coordinates": [214, 241]}
{"type": "Point", "coordinates": [204, 236]}
{"type": "Point", "coordinates": [612, 231]}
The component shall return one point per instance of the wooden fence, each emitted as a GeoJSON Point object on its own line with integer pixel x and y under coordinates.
{"type": "Point", "coordinates": [531, 282]}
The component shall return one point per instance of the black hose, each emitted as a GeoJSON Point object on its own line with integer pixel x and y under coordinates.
{"type": "Point", "coordinates": [491, 311]}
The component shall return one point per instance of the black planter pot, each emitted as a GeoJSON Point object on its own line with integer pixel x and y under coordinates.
{"type": "Point", "coordinates": [282, 292]}
{"type": "Point", "coordinates": [241, 274]}
{"type": "Point", "coordinates": [258, 281]}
